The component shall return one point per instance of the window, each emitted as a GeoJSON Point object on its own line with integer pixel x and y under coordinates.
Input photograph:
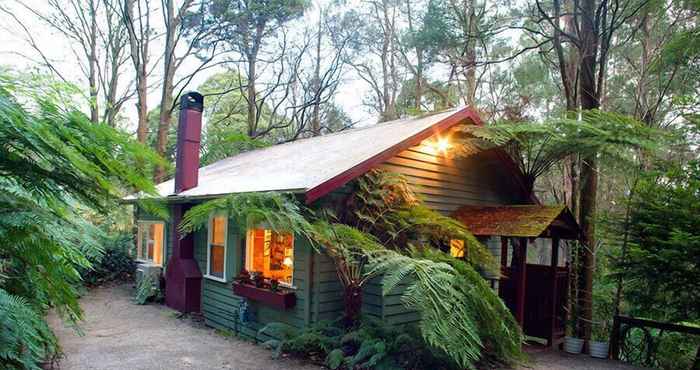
{"type": "Point", "coordinates": [149, 245]}
{"type": "Point", "coordinates": [457, 248]}
{"type": "Point", "coordinates": [216, 247]}
{"type": "Point", "coordinates": [271, 254]}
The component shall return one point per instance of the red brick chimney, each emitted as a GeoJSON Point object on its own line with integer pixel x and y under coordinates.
{"type": "Point", "coordinates": [183, 280]}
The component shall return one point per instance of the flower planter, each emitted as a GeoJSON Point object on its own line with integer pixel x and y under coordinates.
{"type": "Point", "coordinates": [573, 345]}
{"type": "Point", "coordinates": [281, 299]}
{"type": "Point", "coordinates": [598, 349]}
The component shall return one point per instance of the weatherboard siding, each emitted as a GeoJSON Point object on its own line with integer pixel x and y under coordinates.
{"type": "Point", "coordinates": [445, 184]}
{"type": "Point", "coordinates": [220, 307]}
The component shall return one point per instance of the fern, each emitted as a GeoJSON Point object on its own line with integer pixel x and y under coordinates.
{"type": "Point", "coordinates": [56, 169]}
{"type": "Point", "coordinates": [147, 289]}
{"type": "Point", "coordinates": [25, 338]}
{"type": "Point", "coordinates": [460, 314]}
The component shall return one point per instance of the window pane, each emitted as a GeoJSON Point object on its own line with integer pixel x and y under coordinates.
{"type": "Point", "coordinates": [457, 248]}
{"type": "Point", "coordinates": [216, 261]}
{"type": "Point", "coordinates": [218, 232]}
{"type": "Point", "coordinates": [158, 243]}
{"type": "Point", "coordinates": [271, 254]}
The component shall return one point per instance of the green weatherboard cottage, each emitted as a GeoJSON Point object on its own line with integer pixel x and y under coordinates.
{"type": "Point", "coordinates": [301, 286]}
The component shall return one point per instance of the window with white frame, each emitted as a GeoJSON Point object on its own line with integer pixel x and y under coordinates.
{"type": "Point", "coordinates": [150, 242]}
{"type": "Point", "coordinates": [216, 247]}
{"type": "Point", "coordinates": [270, 254]}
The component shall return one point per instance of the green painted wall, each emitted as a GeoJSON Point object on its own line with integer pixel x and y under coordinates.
{"type": "Point", "coordinates": [221, 307]}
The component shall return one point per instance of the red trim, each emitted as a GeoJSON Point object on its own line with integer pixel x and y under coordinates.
{"type": "Point", "coordinates": [360, 169]}
{"type": "Point", "coordinates": [455, 119]}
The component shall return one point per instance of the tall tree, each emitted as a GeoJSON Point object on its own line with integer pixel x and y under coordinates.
{"type": "Point", "coordinates": [136, 16]}
{"type": "Point", "coordinates": [248, 28]}
{"type": "Point", "coordinates": [590, 30]}
{"type": "Point", "coordinates": [97, 38]}
{"type": "Point", "coordinates": [184, 32]}
{"type": "Point", "coordinates": [369, 34]}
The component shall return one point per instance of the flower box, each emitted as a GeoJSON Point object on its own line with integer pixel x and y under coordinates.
{"type": "Point", "coordinates": [281, 299]}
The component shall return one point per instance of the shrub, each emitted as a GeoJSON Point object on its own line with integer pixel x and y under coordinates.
{"type": "Point", "coordinates": [370, 345]}
{"type": "Point", "coordinates": [149, 289]}
{"type": "Point", "coordinates": [114, 264]}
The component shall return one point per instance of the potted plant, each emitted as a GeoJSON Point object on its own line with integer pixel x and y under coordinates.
{"type": "Point", "coordinates": [598, 345]}
{"type": "Point", "coordinates": [258, 279]}
{"type": "Point", "coordinates": [572, 344]}
{"type": "Point", "coordinates": [274, 285]}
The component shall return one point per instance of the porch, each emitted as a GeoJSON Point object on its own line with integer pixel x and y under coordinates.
{"type": "Point", "coordinates": [534, 273]}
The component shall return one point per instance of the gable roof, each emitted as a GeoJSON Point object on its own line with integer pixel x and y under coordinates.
{"type": "Point", "coordinates": [316, 166]}
{"type": "Point", "coordinates": [529, 221]}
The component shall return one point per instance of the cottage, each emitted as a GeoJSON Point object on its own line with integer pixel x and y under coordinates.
{"type": "Point", "coordinates": [483, 190]}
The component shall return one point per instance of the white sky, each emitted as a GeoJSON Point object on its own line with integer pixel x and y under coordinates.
{"type": "Point", "coordinates": [16, 53]}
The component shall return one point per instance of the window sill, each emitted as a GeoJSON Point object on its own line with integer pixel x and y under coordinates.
{"type": "Point", "coordinates": [148, 263]}
{"type": "Point", "coordinates": [215, 278]}
{"type": "Point", "coordinates": [282, 299]}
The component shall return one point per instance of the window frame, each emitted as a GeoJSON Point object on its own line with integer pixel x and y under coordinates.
{"type": "Point", "coordinates": [139, 246]}
{"type": "Point", "coordinates": [208, 274]}
{"type": "Point", "coordinates": [249, 252]}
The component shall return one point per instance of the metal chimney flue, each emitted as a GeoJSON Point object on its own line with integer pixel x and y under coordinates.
{"type": "Point", "coordinates": [189, 135]}
{"type": "Point", "coordinates": [183, 279]}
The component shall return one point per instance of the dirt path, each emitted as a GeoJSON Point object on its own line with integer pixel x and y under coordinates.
{"type": "Point", "coordinates": [122, 335]}
{"type": "Point", "coordinates": [558, 360]}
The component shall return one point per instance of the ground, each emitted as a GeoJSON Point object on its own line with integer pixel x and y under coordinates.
{"type": "Point", "coordinates": [122, 335]}
{"type": "Point", "coordinates": [557, 360]}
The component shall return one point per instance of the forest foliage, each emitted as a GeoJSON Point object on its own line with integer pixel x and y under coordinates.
{"type": "Point", "coordinates": [56, 168]}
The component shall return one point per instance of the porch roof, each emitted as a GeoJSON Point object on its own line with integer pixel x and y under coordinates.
{"type": "Point", "coordinates": [530, 221]}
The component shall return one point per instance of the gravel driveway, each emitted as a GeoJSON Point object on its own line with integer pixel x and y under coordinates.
{"type": "Point", "coordinates": [122, 335]}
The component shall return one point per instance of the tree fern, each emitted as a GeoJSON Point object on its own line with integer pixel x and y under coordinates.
{"type": "Point", "coordinates": [56, 169]}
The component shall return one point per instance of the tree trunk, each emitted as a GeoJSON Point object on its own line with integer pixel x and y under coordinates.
{"type": "Point", "coordinates": [353, 304]}
{"type": "Point", "coordinates": [589, 168]}
{"type": "Point", "coordinates": [166, 99]}
{"type": "Point", "coordinates": [470, 57]}
{"type": "Point", "coordinates": [251, 94]}
{"type": "Point", "coordinates": [138, 44]}
{"type": "Point", "coordinates": [316, 113]}
{"type": "Point", "coordinates": [92, 65]}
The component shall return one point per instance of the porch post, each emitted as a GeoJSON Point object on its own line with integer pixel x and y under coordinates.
{"type": "Point", "coordinates": [504, 264]}
{"type": "Point", "coordinates": [519, 277]}
{"type": "Point", "coordinates": [555, 291]}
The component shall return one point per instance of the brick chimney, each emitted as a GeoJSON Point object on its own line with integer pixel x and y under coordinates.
{"type": "Point", "coordinates": [183, 280]}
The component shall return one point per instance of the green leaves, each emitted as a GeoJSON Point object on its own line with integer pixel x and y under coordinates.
{"type": "Point", "coordinates": [460, 314]}
{"type": "Point", "coordinates": [56, 167]}
{"type": "Point", "coordinates": [278, 211]}
{"type": "Point", "coordinates": [537, 146]}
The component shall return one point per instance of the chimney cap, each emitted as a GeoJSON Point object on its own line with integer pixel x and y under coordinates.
{"type": "Point", "coordinates": [192, 101]}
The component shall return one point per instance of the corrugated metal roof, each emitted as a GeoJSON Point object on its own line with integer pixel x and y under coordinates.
{"type": "Point", "coordinates": [307, 164]}
{"type": "Point", "coordinates": [529, 221]}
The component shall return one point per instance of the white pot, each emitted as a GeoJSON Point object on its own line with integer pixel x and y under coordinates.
{"type": "Point", "coordinates": [573, 345]}
{"type": "Point", "coordinates": [598, 349]}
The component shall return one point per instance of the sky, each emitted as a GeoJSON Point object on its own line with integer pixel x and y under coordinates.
{"type": "Point", "coordinates": [16, 53]}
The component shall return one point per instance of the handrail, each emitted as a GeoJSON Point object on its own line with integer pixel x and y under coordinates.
{"type": "Point", "coordinates": [645, 323]}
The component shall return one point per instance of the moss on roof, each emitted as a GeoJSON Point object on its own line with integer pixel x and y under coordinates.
{"type": "Point", "coordinates": [516, 220]}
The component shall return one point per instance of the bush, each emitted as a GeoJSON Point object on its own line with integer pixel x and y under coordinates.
{"type": "Point", "coordinates": [149, 289]}
{"type": "Point", "coordinates": [370, 345]}
{"type": "Point", "coordinates": [114, 264]}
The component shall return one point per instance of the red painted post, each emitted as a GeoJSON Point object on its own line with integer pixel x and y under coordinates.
{"type": "Point", "coordinates": [504, 264]}
{"type": "Point", "coordinates": [553, 296]}
{"type": "Point", "coordinates": [615, 339]}
{"type": "Point", "coordinates": [520, 279]}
